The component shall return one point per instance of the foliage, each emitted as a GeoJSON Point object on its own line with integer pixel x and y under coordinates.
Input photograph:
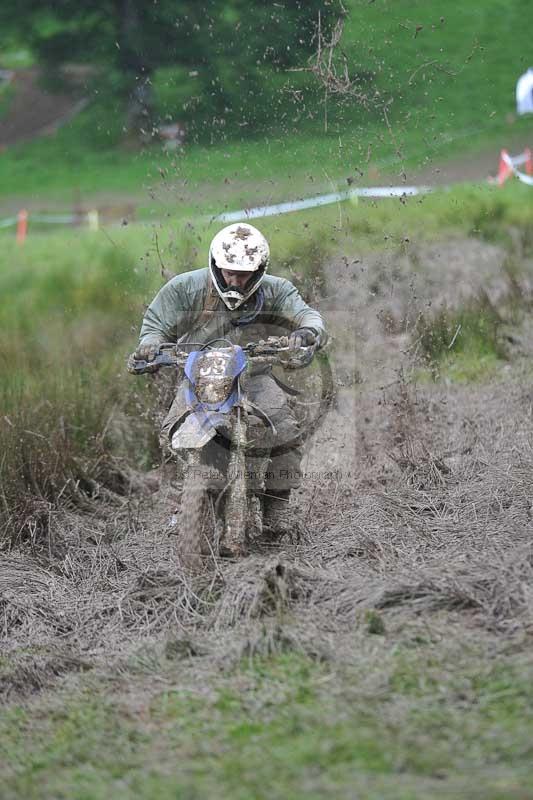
{"type": "Point", "coordinates": [64, 390]}
{"type": "Point", "coordinates": [448, 90]}
{"type": "Point", "coordinates": [225, 50]}
{"type": "Point", "coordinates": [63, 436]}
{"type": "Point", "coordinates": [225, 68]}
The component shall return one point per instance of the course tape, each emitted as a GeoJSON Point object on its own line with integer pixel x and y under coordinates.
{"type": "Point", "coordinates": [259, 211]}
{"type": "Point", "coordinates": [57, 219]}
{"type": "Point", "coordinates": [321, 200]}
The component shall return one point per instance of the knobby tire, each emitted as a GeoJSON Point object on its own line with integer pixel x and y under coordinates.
{"type": "Point", "coordinates": [194, 540]}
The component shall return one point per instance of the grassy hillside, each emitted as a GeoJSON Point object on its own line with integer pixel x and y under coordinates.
{"type": "Point", "coordinates": [428, 82]}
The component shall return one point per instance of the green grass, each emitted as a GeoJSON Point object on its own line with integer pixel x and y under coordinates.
{"type": "Point", "coordinates": [469, 367]}
{"type": "Point", "coordinates": [13, 57]}
{"type": "Point", "coordinates": [451, 87]}
{"type": "Point", "coordinates": [285, 727]}
{"type": "Point", "coordinates": [63, 170]}
{"type": "Point", "coordinates": [74, 309]}
{"type": "Point", "coordinates": [462, 345]}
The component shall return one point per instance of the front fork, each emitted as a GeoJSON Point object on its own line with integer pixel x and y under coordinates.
{"type": "Point", "coordinates": [236, 502]}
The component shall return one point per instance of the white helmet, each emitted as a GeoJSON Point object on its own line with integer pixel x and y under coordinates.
{"type": "Point", "coordinates": [240, 248]}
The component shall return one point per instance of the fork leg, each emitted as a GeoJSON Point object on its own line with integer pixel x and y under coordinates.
{"type": "Point", "coordinates": [236, 509]}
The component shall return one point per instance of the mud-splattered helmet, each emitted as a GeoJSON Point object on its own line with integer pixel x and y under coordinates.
{"type": "Point", "coordinates": [240, 248]}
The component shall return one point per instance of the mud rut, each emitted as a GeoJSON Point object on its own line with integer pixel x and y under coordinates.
{"type": "Point", "coordinates": [417, 506]}
{"type": "Point", "coordinates": [34, 111]}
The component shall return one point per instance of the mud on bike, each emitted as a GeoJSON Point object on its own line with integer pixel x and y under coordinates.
{"type": "Point", "coordinates": [223, 441]}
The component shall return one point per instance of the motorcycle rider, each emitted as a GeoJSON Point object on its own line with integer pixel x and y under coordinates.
{"type": "Point", "coordinates": [235, 298]}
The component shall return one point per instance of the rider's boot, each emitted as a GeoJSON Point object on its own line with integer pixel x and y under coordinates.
{"type": "Point", "coordinates": [276, 514]}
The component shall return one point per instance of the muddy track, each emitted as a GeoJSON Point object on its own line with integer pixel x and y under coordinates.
{"type": "Point", "coordinates": [35, 111]}
{"type": "Point", "coordinates": [416, 500]}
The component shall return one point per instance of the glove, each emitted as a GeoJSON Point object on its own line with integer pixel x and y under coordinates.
{"type": "Point", "coordinates": [145, 352]}
{"type": "Point", "coordinates": [302, 337]}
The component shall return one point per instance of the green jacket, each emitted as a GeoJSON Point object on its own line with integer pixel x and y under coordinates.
{"type": "Point", "coordinates": [176, 311]}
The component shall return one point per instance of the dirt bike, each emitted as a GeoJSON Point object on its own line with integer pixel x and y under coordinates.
{"type": "Point", "coordinates": [225, 441]}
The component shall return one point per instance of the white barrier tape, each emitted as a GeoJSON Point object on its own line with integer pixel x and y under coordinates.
{"type": "Point", "coordinates": [57, 219]}
{"type": "Point", "coordinates": [53, 219]}
{"type": "Point", "coordinates": [523, 177]}
{"type": "Point", "coordinates": [259, 211]}
{"type": "Point", "coordinates": [321, 200]}
{"type": "Point", "coordinates": [515, 161]}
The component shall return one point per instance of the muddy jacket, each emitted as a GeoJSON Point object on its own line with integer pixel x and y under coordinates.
{"type": "Point", "coordinates": [177, 312]}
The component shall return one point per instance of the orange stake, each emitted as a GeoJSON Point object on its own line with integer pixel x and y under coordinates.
{"type": "Point", "coordinates": [504, 170]}
{"type": "Point", "coordinates": [22, 226]}
{"type": "Point", "coordinates": [529, 161]}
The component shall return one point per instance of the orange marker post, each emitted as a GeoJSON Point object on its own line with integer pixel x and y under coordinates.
{"type": "Point", "coordinates": [22, 226]}
{"type": "Point", "coordinates": [505, 169]}
{"type": "Point", "coordinates": [529, 161]}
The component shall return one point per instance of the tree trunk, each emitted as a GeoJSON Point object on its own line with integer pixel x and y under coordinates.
{"type": "Point", "coordinates": [136, 69]}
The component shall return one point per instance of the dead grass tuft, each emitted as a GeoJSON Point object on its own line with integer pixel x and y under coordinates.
{"type": "Point", "coordinates": [27, 673]}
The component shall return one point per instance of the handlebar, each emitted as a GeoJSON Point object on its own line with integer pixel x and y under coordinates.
{"type": "Point", "coordinates": [274, 351]}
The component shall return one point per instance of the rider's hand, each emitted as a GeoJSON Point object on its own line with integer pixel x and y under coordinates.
{"type": "Point", "coordinates": [145, 352]}
{"type": "Point", "coordinates": [302, 337]}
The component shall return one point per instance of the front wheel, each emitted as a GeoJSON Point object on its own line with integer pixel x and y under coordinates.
{"type": "Point", "coordinates": [236, 518]}
{"type": "Point", "coordinates": [236, 507]}
{"type": "Point", "coordinates": [196, 522]}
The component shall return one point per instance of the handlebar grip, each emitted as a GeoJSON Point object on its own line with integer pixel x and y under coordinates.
{"type": "Point", "coordinates": [161, 360]}
{"type": "Point", "coordinates": [302, 357]}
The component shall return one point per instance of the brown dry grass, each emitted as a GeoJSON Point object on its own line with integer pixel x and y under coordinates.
{"type": "Point", "coordinates": [448, 532]}
{"type": "Point", "coordinates": [429, 515]}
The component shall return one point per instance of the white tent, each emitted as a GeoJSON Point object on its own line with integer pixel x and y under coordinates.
{"type": "Point", "coordinates": [524, 93]}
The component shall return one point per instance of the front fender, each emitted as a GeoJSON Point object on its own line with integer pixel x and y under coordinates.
{"type": "Point", "coordinates": [199, 428]}
{"type": "Point", "coordinates": [191, 434]}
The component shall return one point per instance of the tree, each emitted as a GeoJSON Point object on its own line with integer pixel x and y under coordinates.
{"type": "Point", "coordinates": [232, 46]}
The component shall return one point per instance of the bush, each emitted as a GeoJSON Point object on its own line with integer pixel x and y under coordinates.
{"type": "Point", "coordinates": [463, 342]}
